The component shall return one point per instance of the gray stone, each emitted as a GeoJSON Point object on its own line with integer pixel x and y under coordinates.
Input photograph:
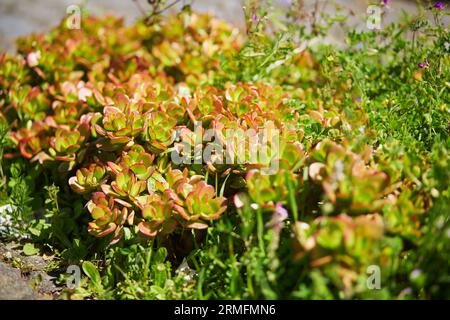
{"type": "Point", "coordinates": [32, 272]}
{"type": "Point", "coordinates": [13, 286]}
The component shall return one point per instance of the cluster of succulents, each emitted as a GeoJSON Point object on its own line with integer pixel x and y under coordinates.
{"type": "Point", "coordinates": [346, 179]}
{"type": "Point", "coordinates": [92, 102]}
{"type": "Point", "coordinates": [108, 104]}
{"type": "Point", "coordinates": [115, 128]}
{"type": "Point", "coordinates": [340, 238]}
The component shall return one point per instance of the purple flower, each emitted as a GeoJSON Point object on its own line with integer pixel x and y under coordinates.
{"type": "Point", "coordinates": [255, 18]}
{"type": "Point", "coordinates": [424, 64]}
{"type": "Point", "coordinates": [439, 5]}
{"type": "Point", "coordinates": [385, 2]}
{"type": "Point", "coordinates": [279, 215]}
{"type": "Point", "coordinates": [280, 212]}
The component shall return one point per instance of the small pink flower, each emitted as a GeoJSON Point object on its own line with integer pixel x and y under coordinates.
{"type": "Point", "coordinates": [424, 64]}
{"type": "Point", "coordinates": [238, 202]}
{"type": "Point", "coordinates": [33, 58]}
{"type": "Point", "coordinates": [439, 5]}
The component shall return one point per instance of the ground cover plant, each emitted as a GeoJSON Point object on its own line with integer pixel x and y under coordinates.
{"type": "Point", "coordinates": [91, 119]}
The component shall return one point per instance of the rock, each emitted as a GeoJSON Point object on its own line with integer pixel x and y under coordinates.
{"type": "Point", "coordinates": [13, 286]}
{"type": "Point", "coordinates": [32, 272]}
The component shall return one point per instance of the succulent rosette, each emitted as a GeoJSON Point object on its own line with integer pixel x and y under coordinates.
{"type": "Point", "coordinates": [159, 130]}
{"type": "Point", "coordinates": [65, 144]}
{"type": "Point", "coordinates": [125, 188]}
{"type": "Point", "coordinates": [120, 127]}
{"type": "Point", "coordinates": [347, 181]}
{"type": "Point", "coordinates": [156, 214]}
{"type": "Point", "coordinates": [108, 217]}
{"type": "Point", "coordinates": [88, 179]}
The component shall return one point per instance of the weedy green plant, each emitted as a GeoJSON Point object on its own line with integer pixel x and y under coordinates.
{"type": "Point", "coordinates": [95, 115]}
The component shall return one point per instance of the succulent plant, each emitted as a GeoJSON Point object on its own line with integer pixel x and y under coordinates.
{"type": "Point", "coordinates": [404, 213]}
{"type": "Point", "coordinates": [118, 101]}
{"type": "Point", "coordinates": [137, 160]}
{"type": "Point", "coordinates": [88, 179]}
{"type": "Point", "coordinates": [193, 61]}
{"type": "Point", "coordinates": [65, 144]}
{"type": "Point", "coordinates": [156, 215]}
{"type": "Point", "coordinates": [199, 205]}
{"type": "Point", "coordinates": [107, 215]}
{"type": "Point", "coordinates": [159, 130]}
{"type": "Point", "coordinates": [125, 188]}
{"type": "Point", "coordinates": [120, 127]}
{"type": "Point", "coordinates": [175, 111]}
{"type": "Point", "coordinates": [65, 113]}
{"type": "Point", "coordinates": [29, 140]}
{"type": "Point", "coordinates": [110, 106]}
{"type": "Point", "coordinates": [268, 189]}
{"type": "Point", "coordinates": [347, 181]}
{"type": "Point", "coordinates": [329, 239]}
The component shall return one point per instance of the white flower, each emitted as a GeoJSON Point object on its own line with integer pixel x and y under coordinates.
{"type": "Point", "coordinates": [186, 270]}
{"type": "Point", "coordinates": [339, 170]}
{"type": "Point", "coordinates": [440, 222]}
{"type": "Point", "coordinates": [238, 202]}
{"type": "Point", "coordinates": [33, 58]}
{"type": "Point", "coordinates": [416, 273]}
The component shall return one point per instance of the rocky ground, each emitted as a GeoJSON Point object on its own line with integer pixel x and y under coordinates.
{"type": "Point", "coordinates": [25, 277]}
{"type": "Point", "coordinates": [12, 286]}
